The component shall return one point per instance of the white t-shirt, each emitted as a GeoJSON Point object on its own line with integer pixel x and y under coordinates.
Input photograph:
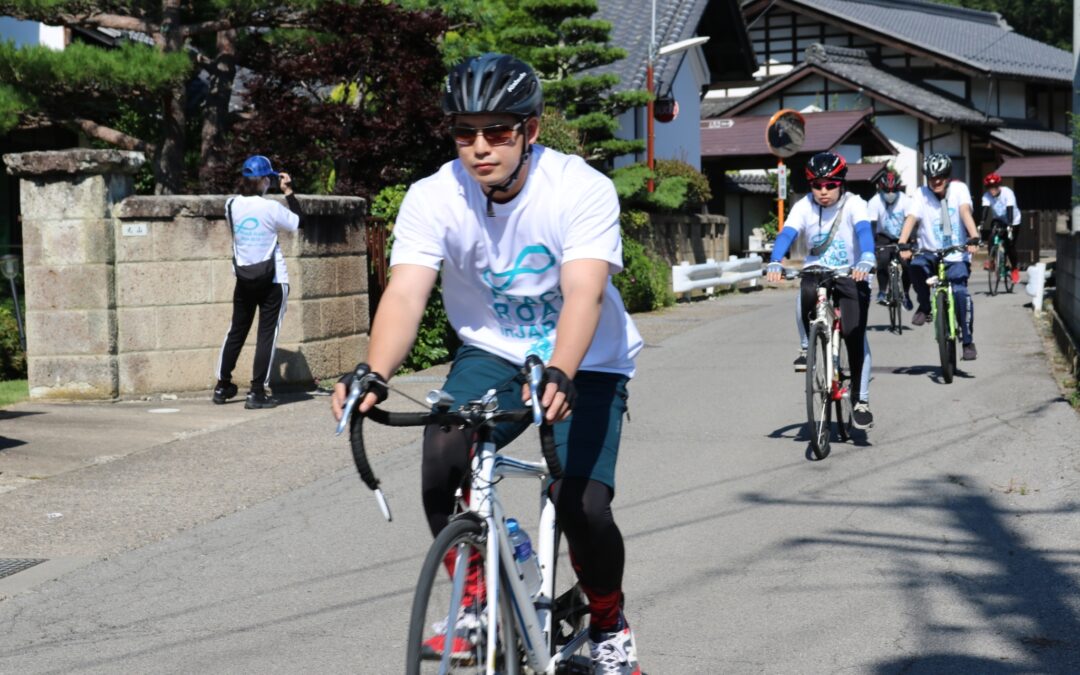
{"type": "Point", "coordinates": [889, 217]}
{"type": "Point", "coordinates": [501, 274]}
{"type": "Point", "coordinates": [926, 208]}
{"type": "Point", "coordinates": [256, 222]}
{"type": "Point", "coordinates": [813, 224]}
{"type": "Point", "coordinates": [1000, 204]}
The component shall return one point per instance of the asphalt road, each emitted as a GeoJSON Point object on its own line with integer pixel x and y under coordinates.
{"type": "Point", "coordinates": [943, 541]}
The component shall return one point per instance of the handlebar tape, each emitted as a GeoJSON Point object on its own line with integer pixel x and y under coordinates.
{"type": "Point", "coordinates": [547, 447]}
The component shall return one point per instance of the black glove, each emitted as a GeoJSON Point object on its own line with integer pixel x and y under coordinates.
{"type": "Point", "coordinates": [370, 381]}
{"type": "Point", "coordinates": [561, 382]}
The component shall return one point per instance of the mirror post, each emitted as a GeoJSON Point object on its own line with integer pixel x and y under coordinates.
{"type": "Point", "coordinates": [780, 185]}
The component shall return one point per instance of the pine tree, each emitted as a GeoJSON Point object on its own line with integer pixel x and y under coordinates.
{"type": "Point", "coordinates": [561, 40]}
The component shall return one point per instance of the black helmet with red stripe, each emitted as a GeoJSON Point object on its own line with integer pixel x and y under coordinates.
{"type": "Point", "coordinates": [826, 165]}
{"type": "Point", "coordinates": [889, 181]}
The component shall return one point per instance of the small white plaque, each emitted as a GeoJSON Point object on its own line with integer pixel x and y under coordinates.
{"type": "Point", "coordinates": [134, 229]}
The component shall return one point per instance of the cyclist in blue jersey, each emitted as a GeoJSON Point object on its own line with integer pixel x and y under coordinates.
{"type": "Point", "coordinates": [942, 209]}
{"type": "Point", "coordinates": [888, 208]}
{"type": "Point", "coordinates": [835, 227]}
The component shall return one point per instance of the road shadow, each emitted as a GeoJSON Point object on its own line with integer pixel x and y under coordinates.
{"type": "Point", "coordinates": [1022, 595]}
{"type": "Point", "coordinates": [932, 372]}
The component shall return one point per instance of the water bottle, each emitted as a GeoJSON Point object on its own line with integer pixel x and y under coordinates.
{"type": "Point", "coordinates": [527, 564]}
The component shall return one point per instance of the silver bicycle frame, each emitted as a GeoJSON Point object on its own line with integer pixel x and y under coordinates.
{"type": "Point", "coordinates": [533, 622]}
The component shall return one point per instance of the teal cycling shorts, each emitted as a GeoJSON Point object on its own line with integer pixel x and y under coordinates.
{"type": "Point", "coordinates": [587, 442]}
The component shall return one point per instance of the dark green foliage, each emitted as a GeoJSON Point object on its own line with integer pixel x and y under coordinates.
{"type": "Point", "coordinates": [1048, 21]}
{"type": "Point", "coordinates": [12, 358]}
{"type": "Point", "coordinates": [558, 134]}
{"type": "Point", "coordinates": [678, 186]}
{"type": "Point", "coordinates": [645, 282]}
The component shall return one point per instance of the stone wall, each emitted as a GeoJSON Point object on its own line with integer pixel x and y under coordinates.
{"type": "Point", "coordinates": [694, 238]}
{"type": "Point", "coordinates": [131, 295]}
{"type": "Point", "coordinates": [1067, 293]}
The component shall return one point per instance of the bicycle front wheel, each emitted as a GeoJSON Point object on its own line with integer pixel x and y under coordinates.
{"type": "Point", "coordinates": [818, 391]}
{"type": "Point", "coordinates": [1006, 272]}
{"type": "Point", "coordinates": [992, 277]}
{"type": "Point", "coordinates": [843, 404]}
{"type": "Point", "coordinates": [946, 342]}
{"type": "Point", "coordinates": [448, 629]}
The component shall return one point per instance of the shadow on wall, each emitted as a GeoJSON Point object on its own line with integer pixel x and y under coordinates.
{"type": "Point", "coordinates": [324, 230]}
{"type": "Point", "coordinates": [290, 372]}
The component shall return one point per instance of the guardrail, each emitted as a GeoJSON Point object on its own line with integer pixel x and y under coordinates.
{"type": "Point", "coordinates": [710, 274]}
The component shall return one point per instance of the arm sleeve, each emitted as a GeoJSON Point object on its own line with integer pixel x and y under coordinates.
{"type": "Point", "coordinates": [783, 243]}
{"type": "Point", "coordinates": [865, 234]}
{"type": "Point", "coordinates": [294, 206]}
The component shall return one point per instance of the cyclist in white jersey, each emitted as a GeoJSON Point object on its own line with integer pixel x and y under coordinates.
{"type": "Point", "coordinates": [935, 233]}
{"type": "Point", "coordinates": [526, 239]}
{"type": "Point", "coordinates": [837, 220]}
{"type": "Point", "coordinates": [1000, 204]}
{"type": "Point", "coordinates": [888, 208]}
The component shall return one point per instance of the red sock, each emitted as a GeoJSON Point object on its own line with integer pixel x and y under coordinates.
{"type": "Point", "coordinates": [605, 609]}
{"type": "Point", "coordinates": [475, 590]}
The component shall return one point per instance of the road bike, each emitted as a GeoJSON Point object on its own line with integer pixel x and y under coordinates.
{"type": "Point", "coordinates": [514, 632]}
{"type": "Point", "coordinates": [943, 309]}
{"type": "Point", "coordinates": [894, 293]}
{"type": "Point", "coordinates": [828, 376]}
{"type": "Point", "coordinates": [999, 270]}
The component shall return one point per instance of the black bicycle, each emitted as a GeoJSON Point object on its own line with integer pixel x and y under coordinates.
{"type": "Point", "coordinates": [999, 271]}
{"type": "Point", "coordinates": [894, 293]}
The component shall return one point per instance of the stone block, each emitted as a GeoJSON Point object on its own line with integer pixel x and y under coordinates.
{"type": "Point", "coordinates": [73, 242]}
{"type": "Point", "coordinates": [194, 326]}
{"type": "Point", "coordinates": [313, 277]}
{"type": "Point", "coordinates": [361, 313]}
{"type": "Point", "coordinates": [67, 287]}
{"type": "Point", "coordinates": [165, 283]}
{"type": "Point", "coordinates": [79, 332]}
{"type": "Point", "coordinates": [136, 329]}
{"type": "Point", "coordinates": [74, 197]}
{"type": "Point", "coordinates": [72, 377]}
{"type": "Point", "coordinates": [291, 367]}
{"type": "Point", "coordinates": [292, 328]}
{"type": "Point", "coordinates": [134, 241]}
{"type": "Point", "coordinates": [142, 373]}
{"type": "Point", "coordinates": [352, 350]}
{"type": "Point", "coordinates": [338, 317]}
{"type": "Point", "coordinates": [192, 239]}
{"type": "Point", "coordinates": [222, 281]}
{"type": "Point", "coordinates": [352, 274]}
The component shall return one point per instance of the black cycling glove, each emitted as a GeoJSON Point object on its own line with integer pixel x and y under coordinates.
{"type": "Point", "coordinates": [561, 382]}
{"type": "Point", "coordinates": [370, 381]}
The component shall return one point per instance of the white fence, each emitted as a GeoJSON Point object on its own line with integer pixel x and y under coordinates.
{"type": "Point", "coordinates": [687, 277]}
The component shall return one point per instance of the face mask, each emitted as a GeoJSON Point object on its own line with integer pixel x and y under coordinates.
{"type": "Point", "coordinates": [890, 197]}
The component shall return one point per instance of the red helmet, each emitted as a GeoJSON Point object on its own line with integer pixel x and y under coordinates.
{"type": "Point", "coordinates": [826, 165]}
{"type": "Point", "coordinates": [992, 180]}
{"type": "Point", "coordinates": [889, 181]}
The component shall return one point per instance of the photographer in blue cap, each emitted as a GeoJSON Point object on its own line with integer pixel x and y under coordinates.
{"type": "Point", "coordinates": [262, 282]}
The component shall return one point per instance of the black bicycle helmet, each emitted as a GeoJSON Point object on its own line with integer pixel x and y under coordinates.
{"type": "Point", "coordinates": [937, 164]}
{"type": "Point", "coordinates": [825, 165]}
{"type": "Point", "coordinates": [493, 83]}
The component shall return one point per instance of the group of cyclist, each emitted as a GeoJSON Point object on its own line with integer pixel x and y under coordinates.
{"type": "Point", "coordinates": [526, 240]}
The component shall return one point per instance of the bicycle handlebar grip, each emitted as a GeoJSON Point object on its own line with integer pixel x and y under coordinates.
{"type": "Point", "coordinates": [356, 443]}
{"type": "Point", "coordinates": [547, 446]}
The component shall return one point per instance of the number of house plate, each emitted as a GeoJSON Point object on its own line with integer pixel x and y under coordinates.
{"type": "Point", "coordinates": [134, 229]}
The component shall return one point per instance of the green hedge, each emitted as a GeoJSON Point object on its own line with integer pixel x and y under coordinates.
{"type": "Point", "coordinates": [12, 358]}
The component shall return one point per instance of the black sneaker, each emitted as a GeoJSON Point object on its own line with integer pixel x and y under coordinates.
{"type": "Point", "coordinates": [800, 362]}
{"type": "Point", "coordinates": [259, 399]}
{"type": "Point", "coordinates": [919, 319]}
{"type": "Point", "coordinates": [861, 416]}
{"type": "Point", "coordinates": [970, 353]}
{"type": "Point", "coordinates": [223, 392]}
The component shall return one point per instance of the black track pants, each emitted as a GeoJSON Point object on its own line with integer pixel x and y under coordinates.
{"type": "Point", "coordinates": [270, 301]}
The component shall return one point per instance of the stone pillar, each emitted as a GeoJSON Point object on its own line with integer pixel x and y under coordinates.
{"type": "Point", "coordinates": [67, 199]}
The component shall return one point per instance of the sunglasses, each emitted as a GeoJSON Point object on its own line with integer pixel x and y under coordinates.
{"type": "Point", "coordinates": [826, 185]}
{"type": "Point", "coordinates": [884, 189]}
{"type": "Point", "coordinates": [495, 134]}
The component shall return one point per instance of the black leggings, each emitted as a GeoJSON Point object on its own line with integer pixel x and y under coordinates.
{"type": "Point", "coordinates": [582, 508]}
{"type": "Point", "coordinates": [854, 300]}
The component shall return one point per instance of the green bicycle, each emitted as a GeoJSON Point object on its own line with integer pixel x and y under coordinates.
{"type": "Point", "coordinates": [943, 310]}
{"type": "Point", "coordinates": [999, 269]}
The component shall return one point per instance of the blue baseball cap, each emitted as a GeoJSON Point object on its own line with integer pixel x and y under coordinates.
{"type": "Point", "coordinates": [258, 166]}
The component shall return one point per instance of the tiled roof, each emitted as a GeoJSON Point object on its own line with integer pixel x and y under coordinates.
{"type": "Point", "coordinates": [1034, 140]}
{"type": "Point", "coordinates": [715, 106]}
{"type": "Point", "coordinates": [746, 182]}
{"type": "Point", "coordinates": [745, 136]}
{"type": "Point", "coordinates": [631, 28]}
{"type": "Point", "coordinates": [1029, 167]}
{"type": "Point", "coordinates": [864, 172]}
{"type": "Point", "coordinates": [853, 67]}
{"type": "Point", "coordinates": [980, 40]}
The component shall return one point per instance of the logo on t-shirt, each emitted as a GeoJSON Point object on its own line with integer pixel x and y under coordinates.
{"type": "Point", "coordinates": [939, 229]}
{"type": "Point", "coordinates": [526, 317]}
{"type": "Point", "coordinates": [834, 256]}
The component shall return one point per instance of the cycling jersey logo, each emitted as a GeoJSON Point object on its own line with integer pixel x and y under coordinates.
{"type": "Point", "coordinates": [535, 259]}
{"type": "Point", "coordinates": [247, 224]}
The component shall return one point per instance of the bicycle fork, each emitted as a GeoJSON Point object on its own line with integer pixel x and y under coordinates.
{"type": "Point", "coordinates": [836, 390]}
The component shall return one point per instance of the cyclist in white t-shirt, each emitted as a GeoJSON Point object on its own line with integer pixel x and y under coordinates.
{"type": "Point", "coordinates": [935, 233]}
{"type": "Point", "coordinates": [888, 208]}
{"type": "Point", "coordinates": [526, 239]}
{"type": "Point", "coordinates": [1001, 207]}
{"type": "Point", "coordinates": [831, 215]}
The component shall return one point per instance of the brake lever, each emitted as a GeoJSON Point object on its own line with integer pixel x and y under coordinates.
{"type": "Point", "coordinates": [355, 392]}
{"type": "Point", "coordinates": [536, 377]}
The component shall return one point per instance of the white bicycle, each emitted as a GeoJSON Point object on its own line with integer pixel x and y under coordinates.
{"type": "Point", "coordinates": [512, 631]}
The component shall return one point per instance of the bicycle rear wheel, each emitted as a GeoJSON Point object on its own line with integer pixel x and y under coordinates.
{"type": "Point", "coordinates": [895, 299]}
{"type": "Point", "coordinates": [946, 343]}
{"type": "Point", "coordinates": [569, 617]}
{"type": "Point", "coordinates": [818, 384]}
{"type": "Point", "coordinates": [843, 404]}
{"type": "Point", "coordinates": [991, 271]}
{"type": "Point", "coordinates": [1006, 272]}
{"type": "Point", "coordinates": [464, 636]}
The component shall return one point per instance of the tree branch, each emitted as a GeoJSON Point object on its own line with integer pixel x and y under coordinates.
{"type": "Point", "coordinates": [109, 135]}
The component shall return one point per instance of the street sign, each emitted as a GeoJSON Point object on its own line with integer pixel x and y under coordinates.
{"type": "Point", "coordinates": [781, 181]}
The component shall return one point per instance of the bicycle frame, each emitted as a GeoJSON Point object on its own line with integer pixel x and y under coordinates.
{"type": "Point", "coordinates": [828, 315]}
{"type": "Point", "coordinates": [939, 284]}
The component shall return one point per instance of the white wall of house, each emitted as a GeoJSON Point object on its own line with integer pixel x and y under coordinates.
{"type": "Point", "coordinates": [903, 132]}
{"type": "Point", "coordinates": [1004, 98]}
{"type": "Point", "coordinates": [31, 33]}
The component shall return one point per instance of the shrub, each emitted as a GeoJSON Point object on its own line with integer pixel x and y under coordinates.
{"type": "Point", "coordinates": [12, 357]}
{"type": "Point", "coordinates": [645, 282]}
{"type": "Point", "coordinates": [677, 186]}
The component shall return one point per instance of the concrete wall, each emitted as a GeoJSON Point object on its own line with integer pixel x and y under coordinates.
{"type": "Point", "coordinates": [129, 296]}
{"type": "Point", "coordinates": [1067, 283]}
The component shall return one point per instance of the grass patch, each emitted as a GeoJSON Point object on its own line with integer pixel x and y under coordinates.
{"type": "Point", "coordinates": [13, 391]}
